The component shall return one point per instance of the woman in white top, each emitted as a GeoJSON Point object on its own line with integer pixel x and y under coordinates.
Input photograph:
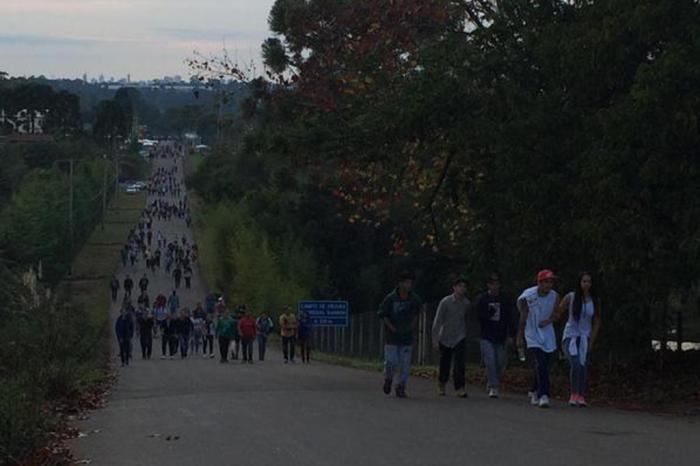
{"type": "Point", "coordinates": [580, 333]}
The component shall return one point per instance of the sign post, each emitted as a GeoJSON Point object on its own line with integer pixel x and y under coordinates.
{"type": "Point", "coordinates": [326, 313]}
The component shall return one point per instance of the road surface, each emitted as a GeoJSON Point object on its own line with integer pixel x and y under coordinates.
{"type": "Point", "coordinates": [198, 412]}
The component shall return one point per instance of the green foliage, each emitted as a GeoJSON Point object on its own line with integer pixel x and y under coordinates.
{"type": "Point", "coordinates": [61, 108]}
{"type": "Point", "coordinates": [457, 137]}
{"type": "Point", "coordinates": [48, 345]}
{"type": "Point", "coordinates": [34, 225]}
{"type": "Point", "coordinates": [251, 267]}
{"type": "Point", "coordinates": [111, 121]}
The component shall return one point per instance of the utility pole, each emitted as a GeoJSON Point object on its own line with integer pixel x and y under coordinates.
{"type": "Point", "coordinates": [104, 189]}
{"type": "Point", "coordinates": [70, 204]}
{"type": "Point", "coordinates": [116, 168]}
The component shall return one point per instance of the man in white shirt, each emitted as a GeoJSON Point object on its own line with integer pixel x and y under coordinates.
{"type": "Point", "coordinates": [537, 306]}
{"type": "Point", "coordinates": [449, 333]}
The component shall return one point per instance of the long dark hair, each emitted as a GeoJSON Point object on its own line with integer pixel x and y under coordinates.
{"type": "Point", "coordinates": [578, 296]}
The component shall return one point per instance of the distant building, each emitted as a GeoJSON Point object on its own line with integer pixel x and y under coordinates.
{"type": "Point", "coordinates": [25, 121]}
{"type": "Point", "coordinates": [192, 139]}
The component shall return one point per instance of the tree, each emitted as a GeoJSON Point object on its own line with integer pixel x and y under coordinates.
{"type": "Point", "coordinates": [110, 121]}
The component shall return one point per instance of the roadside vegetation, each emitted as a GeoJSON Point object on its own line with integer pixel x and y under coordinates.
{"type": "Point", "coordinates": [455, 138]}
{"type": "Point", "coordinates": [55, 263]}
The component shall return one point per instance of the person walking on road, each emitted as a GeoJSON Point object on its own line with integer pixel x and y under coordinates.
{"type": "Point", "coordinates": [198, 329]}
{"type": "Point", "coordinates": [143, 283]}
{"type": "Point", "coordinates": [124, 328]}
{"type": "Point", "coordinates": [537, 307]}
{"type": "Point", "coordinates": [246, 330]}
{"type": "Point", "coordinates": [188, 277]}
{"type": "Point", "coordinates": [184, 332]}
{"type": "Point", "coordinates": [128, 286]}
{"type": "Point", "coordinates": [448, 335]}
{"type": "Point", "coordinates": [236, 337]}
{"type": "Point", "coordinates": [399, 312]}
{"type": "Point", "coordinates": [125, 255]}
{"type": "Point", "coordinates": [264, 326]}
{"type": "Point", "coordinates": [208, 338]}
{"type": "Point", "coordinates": [497, 319]}
{"type": "Point", "coordinates": [305, 331]}
{"type": "Point", "coordinates": [173, 303]}
{"type": "Point", "coordinates": [177, 276]}
{"type": "Point", "coordinates": [169, 338]}
{"type": "Point", "coordinates": [143, 300]}
{"type": "Point", "coordinates": [160, 313]}
{"type": "Point", "coordinates": [145, 323]}
{"type": "Point", "coordinates": [580, 333]}
{"type": "Point", "coordinates": [220, 307]}
{"type": "Point", "coordinates": [224, 332]}
{"type": "Point", "coordinates": [114, 287]}
{"type": "Point", "coordinates": [288, 331]}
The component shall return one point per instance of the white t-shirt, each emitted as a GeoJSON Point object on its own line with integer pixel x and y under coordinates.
{"type": "Point", "coordinates": [540, 308]}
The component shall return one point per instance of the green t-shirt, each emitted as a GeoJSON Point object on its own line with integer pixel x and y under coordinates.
{"type": "Point", "coordinates": [401, 313]}
{"type": "Point", "coordinates": [225, 327]}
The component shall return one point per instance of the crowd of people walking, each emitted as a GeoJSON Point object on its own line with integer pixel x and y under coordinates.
{"type": "Point", "coordinates": [192, 331]}
{"type": "Point", "coordinates": [529, 320]}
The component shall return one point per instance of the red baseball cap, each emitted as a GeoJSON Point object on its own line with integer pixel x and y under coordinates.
{"type": "Point", "coordinates": [545, 274]}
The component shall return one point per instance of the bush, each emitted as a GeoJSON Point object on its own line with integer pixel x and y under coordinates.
{"type": "Point", "coordinates": [22, 421]}
{"type": "Point", "coordinates": [251, 267]}
{"type": "Point", "coordinates": [49, 349]}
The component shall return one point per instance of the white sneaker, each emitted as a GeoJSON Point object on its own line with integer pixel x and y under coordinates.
{"type": "Point", "coordinates": [533, 398]}
{"type": "Point", "coordinates": [204, 356]}
{"type": "Point", "coordinates": [493, 393]}
{"type": "Point", "coordinates": [162, 357]}
{"type": "Point", "coordinates": [544, 402]}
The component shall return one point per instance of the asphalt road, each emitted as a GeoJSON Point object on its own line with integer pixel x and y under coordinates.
{"type": "Point", "coordinates": [198, 411]}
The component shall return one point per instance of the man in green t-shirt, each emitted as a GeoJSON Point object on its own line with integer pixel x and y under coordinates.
{"type": "Point", "coordinates": [224, 331]}
{"type": "Point", "coordinates": [399, 312]}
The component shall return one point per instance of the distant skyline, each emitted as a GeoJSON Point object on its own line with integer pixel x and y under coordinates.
{"type": "Point", "coordinates": [145, 39]}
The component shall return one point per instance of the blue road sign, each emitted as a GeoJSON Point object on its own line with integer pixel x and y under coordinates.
{"type": "Point", "coordinates": [326, 313]}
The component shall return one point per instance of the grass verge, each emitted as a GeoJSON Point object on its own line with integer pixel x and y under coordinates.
{"type": "Point", "coordinates": [611, 387]}
{"type": "Point", "coordinates": [60, 347]}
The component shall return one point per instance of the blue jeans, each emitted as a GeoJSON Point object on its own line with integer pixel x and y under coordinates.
{"type": "Point", "coordinates": [397, 355]}
{"type": "Point", "coordinates": [184, 345]}
{"type": "Point", "coordinates": [577, 371]}
{"type": "Point", "coordinates": [493, 355]}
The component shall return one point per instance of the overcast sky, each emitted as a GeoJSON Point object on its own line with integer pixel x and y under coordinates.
{"type": "Point", "coordinates": [146, 38]}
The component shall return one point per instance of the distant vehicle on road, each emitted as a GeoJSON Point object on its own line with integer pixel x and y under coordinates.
{"type": "Point", "coordinates": [132, 187]}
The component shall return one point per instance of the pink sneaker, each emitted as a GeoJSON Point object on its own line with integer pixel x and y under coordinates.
{"type": "Point", "coordinates": [573, 400]}
{"type": "Point", "coordinates": [582, 401]}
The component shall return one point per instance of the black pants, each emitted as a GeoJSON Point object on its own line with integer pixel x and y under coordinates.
{"type": "Point", "coordinates": [288, 348]}
{"type": "Point", "coordinates": [452, 357]}
{"type": "Point", "coordinates": [224, 343]}
{"type": "Point", "coordinates": [168, 343]}
{"type": "Point", "coordinates": [305, 348]}
{"type": "Point", "coordinates": [207, 340]}
{"type": "Point", "coordinates": [114, 294]}
{"type": "Point", "coordinates": [125, 350]}
{"type": "Point", "coordinates": [188, 281]}
{"type": "Point", "coordinates": [540, 360]}
{"type": "Point", "coordinates": [247, 346]}
{"type": "Point", "coordinates": [146, 345]}
{"type": "Point", "coordinates": [262, 346]}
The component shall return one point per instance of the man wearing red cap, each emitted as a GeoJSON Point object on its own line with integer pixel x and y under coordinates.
{"type": "Point", "coordinates": [537, 305]}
